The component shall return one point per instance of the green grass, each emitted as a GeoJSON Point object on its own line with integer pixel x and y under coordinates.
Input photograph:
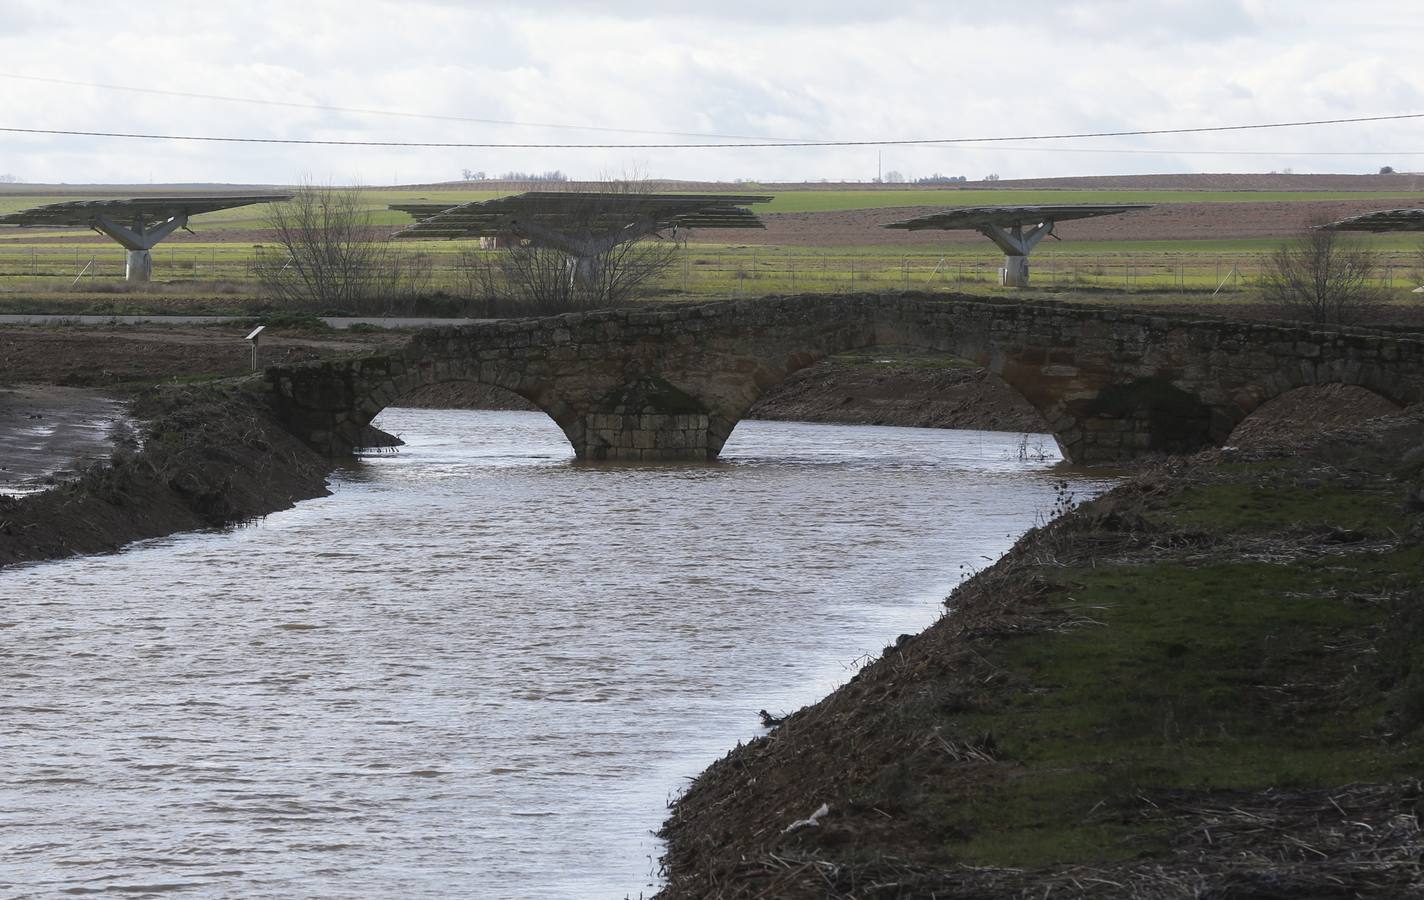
{"type": "Point", "coordinates": [227, 243]}
{"type": "Point", "coordinates": [1176, 691]}
{"type": "Point", "coordinates": [1224, 675]}
{"type": "Point", "coordinates": [1265, 507]}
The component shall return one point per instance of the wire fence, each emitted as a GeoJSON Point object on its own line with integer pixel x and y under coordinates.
{"type": "Point", "coordinates": [730, 271]}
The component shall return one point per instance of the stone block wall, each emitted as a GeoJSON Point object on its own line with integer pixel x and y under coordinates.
{"type": "Point", "coordinates": [646, 437]}
{"type": "Point", "coordinates": [671, 382]}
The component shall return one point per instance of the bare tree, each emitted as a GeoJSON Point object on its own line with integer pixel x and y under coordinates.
{"type": "Point", "coordinates": [588, 267]}
{"type": "Point", "coordinates": [332, 255]}
{"type": "Point", "coordinates": [1323, 276]}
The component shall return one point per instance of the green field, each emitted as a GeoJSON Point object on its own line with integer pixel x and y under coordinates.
{"type": "Point", "coordinates": [720, 270]}
{"type": "Point", "coordinates": [217, 261]}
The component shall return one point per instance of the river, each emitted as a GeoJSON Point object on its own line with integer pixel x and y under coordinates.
{"type": "Point", "coordinates": [478, 668]}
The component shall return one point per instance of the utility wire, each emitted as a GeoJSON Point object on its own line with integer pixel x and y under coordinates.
{"type": "Point", "coordinates": [321, 107]}
{"type": "Point", "coordinates": [1126, 150]}
{"type": "Point", "coordinates": [742, 145]}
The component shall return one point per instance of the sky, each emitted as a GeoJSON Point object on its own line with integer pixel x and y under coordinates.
{"type": "Point", "coordinates": [619, 72]}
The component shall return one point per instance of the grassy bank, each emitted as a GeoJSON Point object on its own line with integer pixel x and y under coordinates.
{"type": "Point", "coordinates": [37, 276]}
{"type": "Point", "coordinates": [1209, 682]}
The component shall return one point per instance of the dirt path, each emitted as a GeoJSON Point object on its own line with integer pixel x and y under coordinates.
{"type": "Point", "coordinates": [129, 357]}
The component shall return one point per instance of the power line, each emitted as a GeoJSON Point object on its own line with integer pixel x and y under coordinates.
{"type": "Point", "coordinates": [1128, 150]}
{"type": "Point", "coordinates": [741, 145]}
{"type": "Point", "coordinates": [321, 107]}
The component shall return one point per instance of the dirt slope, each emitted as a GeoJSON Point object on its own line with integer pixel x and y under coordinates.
{"type": "Point", "coordinates": [1206, 684]}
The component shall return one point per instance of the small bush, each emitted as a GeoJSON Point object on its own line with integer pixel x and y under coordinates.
{"type": "Point", "coordinates": [1322, 277]}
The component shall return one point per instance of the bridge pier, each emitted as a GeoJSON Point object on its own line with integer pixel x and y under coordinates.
{"type": "Point", "coordinates": [648, 419]}
{"type": "Point", "coordinates": [644, 436]}
{"type": "Point", "coordinates": [1130, 419]}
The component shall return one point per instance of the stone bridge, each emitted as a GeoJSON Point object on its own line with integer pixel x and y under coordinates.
{"type": "Point", "coordinates": [670, 382]}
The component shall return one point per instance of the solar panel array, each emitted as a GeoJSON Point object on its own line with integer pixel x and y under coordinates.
{"type": "Point", "coordinates": [82, 212]}
{"type": "Point", "coordinates": [421, 210]}
{"type": "Point", "coordinates": [1384, 220]}
{"type": "Point", "coordinates": [1008, 216]}
{"type": "Point", "coordinates": [592, 211]}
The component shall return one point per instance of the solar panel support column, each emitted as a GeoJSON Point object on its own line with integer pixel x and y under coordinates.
{"type": "Point", "coordinates": [138, 240]}
{"type": "Point", "coordinates": [138, 265]}
{"type": "Point", "coordinates": [1016, 244]}
{"type": "Point", "coordinates": [583, 271]}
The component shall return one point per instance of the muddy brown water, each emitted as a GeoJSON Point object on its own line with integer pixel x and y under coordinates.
{"type": "Point", "coordinates": [479, 668]}
{"type": "Point", "coordinates": [48, 432]}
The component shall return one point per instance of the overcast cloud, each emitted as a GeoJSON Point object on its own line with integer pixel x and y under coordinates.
{"type": "Point", "coordinates": [848, 71]}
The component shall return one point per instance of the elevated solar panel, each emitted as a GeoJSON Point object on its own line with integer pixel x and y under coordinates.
{"type": "Point", "coordinates": [83, 213]}
{"type": "Point", "coordinates": [978, 217]}
{"type": "Point", "coordinates": [136, 223]}
{"type": "Point", "coordinates": [1016, 229]}
{"type": "Point", "coordinates": [1384, 220]}
{"type": "Point", "coordinates": [421, 210]}
{"type": "Point", "coordinates": [586, 211]}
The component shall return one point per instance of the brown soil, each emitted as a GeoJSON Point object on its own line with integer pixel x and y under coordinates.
{"type": "Point", "coordinates": [895, 391]}
{"type": "Point", "coordinates": [900, 779]}
{"type": "Point", "coordinates": [1299, 414]}
{"type": "Point", "coordinates": [861, 227]}
{"type": "Point", "coordinates": [206, 454]}
{"type": "Point", "coordinates": [1406, 182]}
{"type": "Point", "coordinates": [124, 357]}
{"type": "Point", "coordinates": [1163, 222]}
{"type": "Point", "coordinates": [1163, 182]}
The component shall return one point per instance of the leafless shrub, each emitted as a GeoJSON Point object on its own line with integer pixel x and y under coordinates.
{"type": "Point", "coordinates": [1322, 276]}
{"type": "Point", "coordinates": [330, 254]}
{"type": "Point", "coordinates": [533, 280]}
{"type": "Point", "coordinates": [587, 268]}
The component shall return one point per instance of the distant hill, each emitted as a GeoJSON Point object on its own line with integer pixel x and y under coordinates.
{"type": "Point", "coordinates": [132, 190]}
{"type": "Point", "coordinates": [1404, 183]}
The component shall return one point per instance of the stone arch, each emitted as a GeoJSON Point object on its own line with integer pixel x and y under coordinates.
{"type": "Point", "coordinates": [1126, 417]}
{"type": "Point", "coordinates": [386, 391]}
{"type": "Point", "coordinates": [1372, 378]}
{"type": "Point", "coordinates": [1309, 408]}
{"type": "Point", "coordinates": [724, 417]}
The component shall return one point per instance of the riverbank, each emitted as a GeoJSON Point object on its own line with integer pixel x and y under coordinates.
{"type": "Point", "coordinates": [1206, 683]}
{"type": "Point", "coordinates": [203, 456]}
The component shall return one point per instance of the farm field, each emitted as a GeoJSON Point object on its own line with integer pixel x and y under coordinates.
{"type": "Point", "coordinates": [1193, 242]}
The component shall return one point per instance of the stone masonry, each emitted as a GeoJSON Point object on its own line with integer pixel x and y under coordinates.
{"type": "Point", "coordinates": [670, 382]}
